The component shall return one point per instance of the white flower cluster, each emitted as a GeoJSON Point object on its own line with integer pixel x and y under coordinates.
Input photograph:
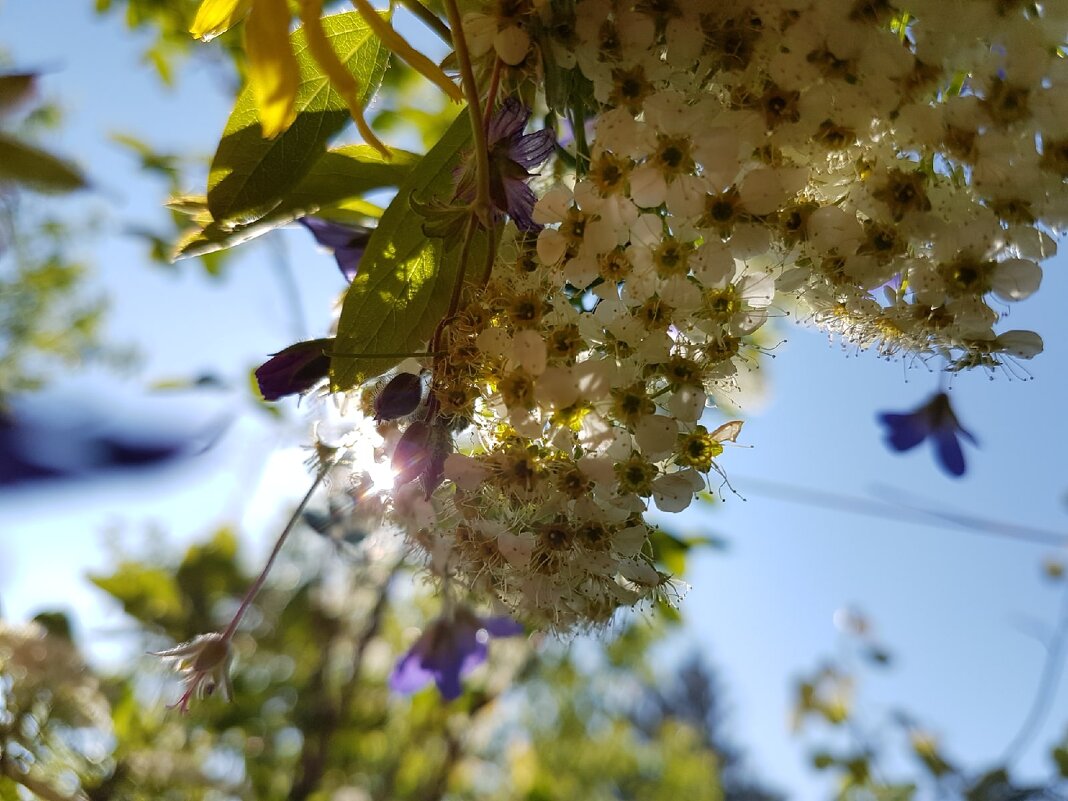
{"type": "Point", "coordinates": [898, 174]}
{"type": "Point", "coordinates": [895, 171]}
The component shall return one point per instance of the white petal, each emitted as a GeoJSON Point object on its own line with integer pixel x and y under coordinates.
{"type": "Point", "coordinates": [647, 186]}
{"type": "Point", "coordinates": [512, 45]}
{"type": "Point", "coordinates": [528, 350]}
{"type": "Point", "coordinates": [672, 492]}
{"type": "Point", "coordinates": [464, 471]}
{"type": "Point", "coordinates": [639, 573]}
{"type": "Point", "coordinates": [1016, 279]}
{"type": "Point", "coordinates": [1021, 344]}
{"type": "Point", "coordinates": [656, 435]}
{"type": "Point", "coordinates": [551, 246]}
{"type": "Point", "coordinates": [630, 540]}
{"type": "Point", "coordinates": [688, 404]}
{"type": "Point", "coordinates": [515, 548]}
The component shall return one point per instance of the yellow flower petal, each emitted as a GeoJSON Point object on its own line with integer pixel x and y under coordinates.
{"type": "Point", "coordinates": [272, 67]}
{"type": "Point", "coordinates": [218, 16]}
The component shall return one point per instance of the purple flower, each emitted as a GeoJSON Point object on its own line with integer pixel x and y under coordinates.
{"type": "Point", "coordinates": [449, 649]}
{"type": "Point", "coordinates": [512, 154]}
{"type": "Point", "coordinates": [347, 242]}
{"type": "Point", "coordinates": [298, 368]}
{"type": "Point", "coordinates": [935, 419]}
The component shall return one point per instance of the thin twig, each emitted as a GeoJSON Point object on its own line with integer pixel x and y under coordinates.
{"type": "Point", "coordinates": [430, 19]}
{"type": "Point", "coordinates": [287, 283]}
{"type": "Point", "coordinates": [821, 499]}
{"type": "Point", "coordinates": [1047, 687]}
{"type": "Point", "coordinates": [470, 87]}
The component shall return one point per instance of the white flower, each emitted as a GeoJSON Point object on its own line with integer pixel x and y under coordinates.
{"type": "Point", "coordinates": [204, 663]}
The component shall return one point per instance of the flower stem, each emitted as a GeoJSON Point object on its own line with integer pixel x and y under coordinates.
{"type": "Point", "coordinates": [582, 149]}
{"type": "Point", "coordinates": [384, 355]}
{"type": "Point", "coordinates": [491, 94]}
{"type": "Point", "coordinates": [482, 205]}
{"type": "Point", "coordinates": [457, 288]}
{"type": "Point", "coordinates": [257, 585]}
{"type": "Point", "coordinates": [430, 19]}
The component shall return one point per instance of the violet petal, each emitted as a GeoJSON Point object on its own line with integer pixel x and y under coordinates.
{"type": "Point", "coordinates": [949, 451]}
{"type": "Point", "coordinates": [501, 626]}
{"type": "Point", "coordinates": [532, 149]}
{"type": "Point", "coordinates": [410, 673]}
{"type": "Point", "coordinates": [905, 430]}
{"type": "Point", "coordinates": [507, 121]}
{"type": "Point", "coordinates": [294, 370]}
{"type": "Point", "coordinates": [521, 200]}
{"type": "Point", "coordinates": [347, 242]}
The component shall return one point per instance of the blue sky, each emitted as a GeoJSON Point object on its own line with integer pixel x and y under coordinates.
{"type": "Point", "coordinates": [960, 610]}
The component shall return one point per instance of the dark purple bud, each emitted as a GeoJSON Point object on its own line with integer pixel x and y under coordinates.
{"type": "Point", "coordinates": [420, 454]}
{"type": "Point", "coordinates": [296, 369]}
{"type": "Point", "coordinates": [441, 446]}
{"type": "Point", "coordinates": [412, 454]}
{"type": "Point", "coordinates": [348, 242]}
{"type": "Point", "coordinates": [400, 397]}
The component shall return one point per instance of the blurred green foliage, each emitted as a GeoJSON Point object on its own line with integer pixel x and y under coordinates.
{"type": "Point", "coordinates": [46, 316]}
{"type": "Point", "coordinates": [313, 718]}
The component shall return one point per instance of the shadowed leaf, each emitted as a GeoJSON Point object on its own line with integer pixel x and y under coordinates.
{"type": "Point", "coordinates": [337, 178]}
{"type": "Point", "coordinates": [405, 278]}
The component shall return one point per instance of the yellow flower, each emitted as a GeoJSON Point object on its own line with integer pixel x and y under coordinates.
{"type": "Point", "coordinates": [218, 16]}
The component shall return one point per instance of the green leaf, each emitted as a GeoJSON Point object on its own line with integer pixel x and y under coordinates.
{"type": "Point", "coordinates": [146, 593]}
{"type": "Point", "coordinates": [34, 168]}
{"type": "Point", "coordinates": [249, 174]}
{"type": "Point", "coordinates": [1060, 756]}
{"type": "Point", "coordinates": [406, 279]}
{"type": "Point", "coordinates": [338, 177]}
{"type": "Point", "coordinates": [57, 624]}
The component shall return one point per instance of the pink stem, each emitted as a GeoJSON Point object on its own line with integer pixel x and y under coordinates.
{"type": "Point", "coordinates": [257, 585]}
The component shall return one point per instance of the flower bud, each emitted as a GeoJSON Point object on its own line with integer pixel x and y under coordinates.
{"type": "Point", "coordinates": [421, 453]}
{"type": "Point", "coordinates": [400, 397]}
{"type": "Point", "coordinates": [296, 369]}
